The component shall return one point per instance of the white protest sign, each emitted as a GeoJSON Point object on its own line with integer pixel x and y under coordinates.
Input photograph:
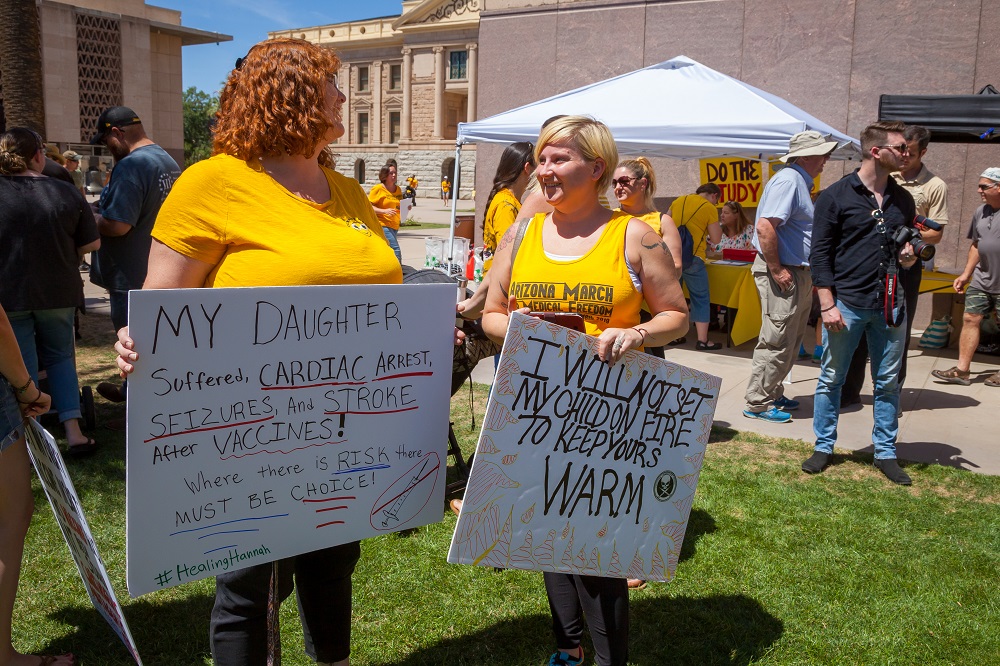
{"type": "Point", "coordinates": [582, 467]}
{"type": "Point", "coordinates": [268, 422]}
{"type": "Point", "coordinates": [65, 504]}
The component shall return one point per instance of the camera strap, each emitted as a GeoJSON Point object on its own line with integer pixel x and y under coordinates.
{"type": "Point", "coordinates": [894, 305]}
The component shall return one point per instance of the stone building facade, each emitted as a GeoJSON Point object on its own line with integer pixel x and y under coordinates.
{"type": "Point", "coordinates": [409, 80]}
{"type": "Point", "coordinates": [832, 58]}
{"type": "Point", "coordinates": [101, 53]}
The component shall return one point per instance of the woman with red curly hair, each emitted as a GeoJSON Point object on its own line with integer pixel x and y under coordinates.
{"type": "Point", "coordinates": [267, 210]}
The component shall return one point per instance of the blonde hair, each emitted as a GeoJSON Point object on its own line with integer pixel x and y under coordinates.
{"type": "Point", "coordinates": [590, 137]}
{"type": "Point", "coordinates": [641, 168]}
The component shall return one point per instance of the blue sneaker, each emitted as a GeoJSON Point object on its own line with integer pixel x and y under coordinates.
{"type": "Point", "coordinates": [773, 415]}
{"type": "Point", "coordinates": [786, 404]}
{"type": "Point", "coordinates": [563, 659]}
{"type": "Point", "coordinates": [818, 354]}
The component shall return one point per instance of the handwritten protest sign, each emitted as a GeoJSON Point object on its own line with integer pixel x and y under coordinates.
{"type": "Point", "coordinates": [581, 467]}
{"type": "Point", "coordinates": [740, 180]}
{"type": "Point", "coordinates": [268, 422]}
{"type": "Point", "coordinates": [65, 504]}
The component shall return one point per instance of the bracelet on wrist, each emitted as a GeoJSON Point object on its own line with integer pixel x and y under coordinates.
{"type": "Point", "coordinates": [642, 332]}
{"type": "Point", "coordinates": [21, 389]}
{"type": "Point", "coordinates": [829, 308]}
{"type": "Point", "coordinates": [28, 402]}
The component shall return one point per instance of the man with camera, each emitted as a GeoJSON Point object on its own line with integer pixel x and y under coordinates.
{"type": "Point", "coordinates": [930, 196]}
{"type": "Point", "coordinates": [980, 281]}
{"type": "Point", "coordinates": [860, 242]}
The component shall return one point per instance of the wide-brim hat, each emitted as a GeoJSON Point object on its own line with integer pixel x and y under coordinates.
{"type": "Point", "coordinates": [809, 143]}
{"type": "Point", "coordinates": [116, 116]}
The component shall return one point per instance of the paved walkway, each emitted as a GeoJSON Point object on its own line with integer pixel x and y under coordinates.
{"type": "Point", "coordinates": [942, 423]}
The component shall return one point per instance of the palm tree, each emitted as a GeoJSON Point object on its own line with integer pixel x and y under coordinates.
{"type": "Point", "coordinates": [21, 65]}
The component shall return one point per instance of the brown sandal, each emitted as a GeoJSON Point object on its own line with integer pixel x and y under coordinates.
{"type": "Point", "coordinates": [953, 376]}
{"type": "Point", "coordinates": [994, 379]}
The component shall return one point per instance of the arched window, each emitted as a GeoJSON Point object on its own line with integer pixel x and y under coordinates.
{"type": "Point", "coordinates": [359, 171]}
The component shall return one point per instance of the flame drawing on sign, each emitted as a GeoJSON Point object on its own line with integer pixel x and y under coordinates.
{"type": "Point", "coordinates": [499, 417]}
{"type": "Point", "coordinates": [505, 374]}
{"type": "Point", "coordinates": [509, 459]}
{"type": "Point", "coordinates": [526, 516]}
{"type": "Point", "coordinates": [486, 446]}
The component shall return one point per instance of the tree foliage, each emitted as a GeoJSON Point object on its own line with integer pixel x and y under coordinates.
{"type": "Point", "coordinates": [199, 116]}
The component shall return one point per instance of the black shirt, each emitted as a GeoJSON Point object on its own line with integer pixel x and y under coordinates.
{"type": "Point", "coordinates": [42, 223]}
{"type": "Point", "coordinates": [848, 254]}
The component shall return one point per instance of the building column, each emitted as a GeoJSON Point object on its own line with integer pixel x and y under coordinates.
{"type": "Point", "coordinates": [404, 121]}
{"type": "Point", "coordinates": [375, 120]}
{"type": "Point", "coordinates": [439, 109]}
{"type": "Point", "coordinates": [473, 78]}
{"type": "Point", "coordinates": [344, 79]}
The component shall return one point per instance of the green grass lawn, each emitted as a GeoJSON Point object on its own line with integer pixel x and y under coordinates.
{"type": "Point", "coordinates": [777, 568]}
{"type": "Point", "coordinates": [415, 223]}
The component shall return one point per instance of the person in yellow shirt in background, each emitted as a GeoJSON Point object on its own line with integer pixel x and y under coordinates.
{"type": "Point", "coordinates": [699, 214]}
{"type": "Point", "coordinates": [385, 200]}
{"type": "Point", "coordinates": [445, 189]}
{"type": "Point", "coordinates": [411, 189]}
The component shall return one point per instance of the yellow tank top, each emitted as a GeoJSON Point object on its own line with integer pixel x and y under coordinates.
{"type": "Point", "coordinates": [596, 286]}
{"type": "Point", "coordinates": [652, 218]}
{"type": "Point", "coordinates": [501, 215]}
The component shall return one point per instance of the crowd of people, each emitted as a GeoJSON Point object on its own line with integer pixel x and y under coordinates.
{"type": "Point", "coordinates": [269, 209]}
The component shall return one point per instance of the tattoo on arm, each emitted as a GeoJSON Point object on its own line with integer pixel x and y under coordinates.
{"type": "Point", "coordinates": [508, 237]}
{"type": "Point", "coordinates": [651, 241]}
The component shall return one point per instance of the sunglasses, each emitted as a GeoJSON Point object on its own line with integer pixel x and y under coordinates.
{"type": "Point", "coordinates": [898, 147]}
{"type": "Point", "coordinates": [983, 188]}
{"type": "Point", "coordinates": [624, 181]}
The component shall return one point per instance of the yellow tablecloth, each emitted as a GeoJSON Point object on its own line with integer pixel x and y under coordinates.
{"type": "Point", "coordinates": [733, 286]}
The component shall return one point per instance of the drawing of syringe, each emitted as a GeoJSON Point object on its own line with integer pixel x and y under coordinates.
{"type": "Point", "coordinates": [391, 512]}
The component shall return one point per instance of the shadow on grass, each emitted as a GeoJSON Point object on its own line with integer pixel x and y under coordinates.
{"type": "Point", "coordinates": [165, 632]}
{"type": "Point", "coordinates": [929, 453]}
{"type": "Point", "coordinates": [725, 629]}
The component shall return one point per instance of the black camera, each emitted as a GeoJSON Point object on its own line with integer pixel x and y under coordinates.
{"type": "Point", "coordinates": [921, 248]}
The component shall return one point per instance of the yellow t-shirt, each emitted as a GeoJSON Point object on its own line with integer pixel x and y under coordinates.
{"type": "Point", "coordinates": [652, 218]}
{"type": "Point", "coordinates": [596, 286]}
{"type": "Point", "coordinates": [697, 213]}
{"type": "Point", "coordinates": [231, 214]}
{"type": "Point", "coordinates": [502, 213]}
{"type": "Point", "coordinates": [445, 186]}
{"type": "Point", "coordinates": [381, 197]}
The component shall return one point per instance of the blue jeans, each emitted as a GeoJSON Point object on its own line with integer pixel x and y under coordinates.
{"type": "Point", "coordinates": [695, 278]}
{"type": "Point", "coordinates": [46, 337]}
{"type": "Point", "coordinates": [390, 237]}
{"type": "Point", "coordinates": [885, 347]}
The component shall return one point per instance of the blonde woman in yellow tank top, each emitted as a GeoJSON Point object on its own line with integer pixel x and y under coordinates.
{"type": "Point", "coordinates": [580, 239]}
{"type": "Point", "coordinates": [635, 184]}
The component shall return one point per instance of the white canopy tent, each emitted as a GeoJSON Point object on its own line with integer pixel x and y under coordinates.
{"type": "Point", "coordinates": [682, 109]}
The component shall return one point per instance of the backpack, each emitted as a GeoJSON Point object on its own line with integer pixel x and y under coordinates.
{"type": "Point", "coordinates": [687, 240]}
{"type": "Point", "coordinates": [687, 246]}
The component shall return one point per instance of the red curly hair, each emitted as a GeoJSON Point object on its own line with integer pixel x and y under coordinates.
{"type": "Point", "coordinates": [274, 102]}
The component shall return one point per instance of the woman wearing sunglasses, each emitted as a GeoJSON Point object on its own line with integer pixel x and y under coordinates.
{"type": "Point", "coordinates": [581, 241]}
{"type": "Point", "coordinates": [635, 184]}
